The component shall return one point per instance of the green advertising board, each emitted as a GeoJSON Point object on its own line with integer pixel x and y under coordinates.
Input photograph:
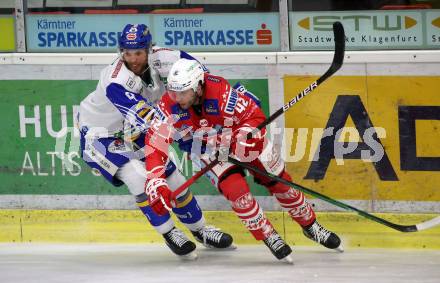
{"type": "Point", "coordinates": [34, 112]}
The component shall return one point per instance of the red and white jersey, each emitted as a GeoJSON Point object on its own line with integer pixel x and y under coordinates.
{"type": "Point", "coordinates": [222, 107]}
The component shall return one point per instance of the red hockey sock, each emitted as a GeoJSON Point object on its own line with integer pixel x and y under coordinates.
{"type": "Point", "coordinates": [293, 201]}
{"type": "Point", "coordinates": [236, 190]}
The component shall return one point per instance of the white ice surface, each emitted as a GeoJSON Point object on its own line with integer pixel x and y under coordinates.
{"type": "Point", "coordinates": [155, 263]}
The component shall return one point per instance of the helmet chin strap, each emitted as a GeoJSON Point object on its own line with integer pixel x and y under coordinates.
{"type": "Point", "coordinates": [142, 73]}
{"type": "Point", "coordinates": [146, 69]}
{"type": "Point", "coordinates": [148, 50]}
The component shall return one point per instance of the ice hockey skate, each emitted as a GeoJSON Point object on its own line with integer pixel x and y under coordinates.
{"type": "Point", "coordinates": [180, 244]}
{"type": "Point", "coordinates": [278, 247]}
{"type": "Point", "coordinates": [213, 238]}
{"type": "Point", "coordinates": [319, 234]}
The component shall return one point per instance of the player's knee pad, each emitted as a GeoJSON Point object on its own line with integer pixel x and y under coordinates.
{"type": "Point", "coordinates": [287, 196]}
{"type": "Point", "coordinates": [234, 186]}
{"type": "Point", "coordinates": [273, 185]}
{"type": "Point", "coordinates": [276, 187]}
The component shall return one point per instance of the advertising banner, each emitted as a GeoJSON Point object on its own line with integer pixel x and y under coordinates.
{"type": "Point", "coordinates": [7, 31]}
{"type": "Point", "coordinates": [77, 33]}
{"type": "Point", "coordinates": [433, 28]}
{"type": "Point", "coordinates": [366, 138]}
{"type": "Point", "coordinates": [192, 32]}
{"type": "Point", "coordinates": [364, 30]}
{"type": "Point", "coordinates": [37, 113]}
{"type": "Point", "coordinates": [218, 32]}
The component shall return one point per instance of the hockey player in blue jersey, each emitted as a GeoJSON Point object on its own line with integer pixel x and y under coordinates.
{"type": "Point", "coordinates": [112, 122]}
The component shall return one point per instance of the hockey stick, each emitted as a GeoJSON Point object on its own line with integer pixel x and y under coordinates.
{"type": "Point", "coordinates": [338, 59]}
{"type": "Point", "coordinates": [402, 228]}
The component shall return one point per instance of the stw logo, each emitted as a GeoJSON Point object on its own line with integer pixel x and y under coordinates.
{"type": "Point", "coordinates": [376, 22]}
{"type": "Point", "coordinates": [264, 36]}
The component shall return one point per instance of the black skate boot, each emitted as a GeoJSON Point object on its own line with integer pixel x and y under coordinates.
{"type": "Point", "coordinates": [212, 237]}
{"type": "Point", "coordinates": [278, 247]}
{"type": "Point", "coordinates": [319, 234]}
{"type": "Point", "coordinates": [179, 244]}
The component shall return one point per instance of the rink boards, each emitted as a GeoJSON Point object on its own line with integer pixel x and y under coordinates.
{"type": "Point", "coordinates": [40, 92]}
{"type": "Point", "coordinates": [127, 226]}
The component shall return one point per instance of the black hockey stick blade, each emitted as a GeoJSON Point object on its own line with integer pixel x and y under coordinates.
{"type": "Point", "coordinates": [338, 56]}
{"type": "Point", "coordinates": [402, 228]}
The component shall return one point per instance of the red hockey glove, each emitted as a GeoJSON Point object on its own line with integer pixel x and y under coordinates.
{"type": "Point", "coordinates": [159, 195]}
{"type": "Point", "coordinates": [247, 149]}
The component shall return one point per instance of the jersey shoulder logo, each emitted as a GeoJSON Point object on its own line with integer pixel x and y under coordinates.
{"type": "Point", "coordinates": [211, 106]}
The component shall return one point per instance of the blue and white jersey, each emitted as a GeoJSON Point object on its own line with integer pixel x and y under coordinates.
{"type": "Point", "coordinates": [121, 96]}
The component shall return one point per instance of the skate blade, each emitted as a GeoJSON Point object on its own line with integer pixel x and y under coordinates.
{"type": "Point", "coordinates": [189, 257]}
{"type": "Point", "coordinates": [340, 248]}
{"type": "Point", "coordinates": [288, 259]}
{"type": "Point", "coordinates": [230, 248]}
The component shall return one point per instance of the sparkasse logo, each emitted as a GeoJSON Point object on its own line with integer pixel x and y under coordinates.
{"type": "Point", "coordinates": [184, 33]}
{"type": "Point", "coordinates": [264, 36]}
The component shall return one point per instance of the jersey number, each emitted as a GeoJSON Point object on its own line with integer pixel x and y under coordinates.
{"type": "Point", "coordinates": [130, 95]}
{"type": "Point", "coordinates": [241, 105]}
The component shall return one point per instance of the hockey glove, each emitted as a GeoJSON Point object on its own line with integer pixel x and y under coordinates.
{"type": "Point", "coordinates": [159, 196]}
{"type": "Point", "coordinates": [244, 148]}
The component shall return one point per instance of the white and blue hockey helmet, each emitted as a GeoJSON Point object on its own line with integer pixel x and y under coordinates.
{"type": "Point", "coordinates": [185, 74]}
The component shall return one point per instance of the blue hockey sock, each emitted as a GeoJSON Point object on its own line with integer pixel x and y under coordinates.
{"type": "Point", "coordinates": [162, 224]}
{"type": "Point", "coordinates": [189, 212]}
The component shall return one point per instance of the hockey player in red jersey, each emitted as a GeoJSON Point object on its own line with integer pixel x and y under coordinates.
{"type": "Point", "coordinates": [197, 105]}
{"type": "Point", "coordinates": [112, 121]}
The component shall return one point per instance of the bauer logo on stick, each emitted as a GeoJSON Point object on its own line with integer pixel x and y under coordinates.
{"type": "Point", "coordinates": [300, 95]}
